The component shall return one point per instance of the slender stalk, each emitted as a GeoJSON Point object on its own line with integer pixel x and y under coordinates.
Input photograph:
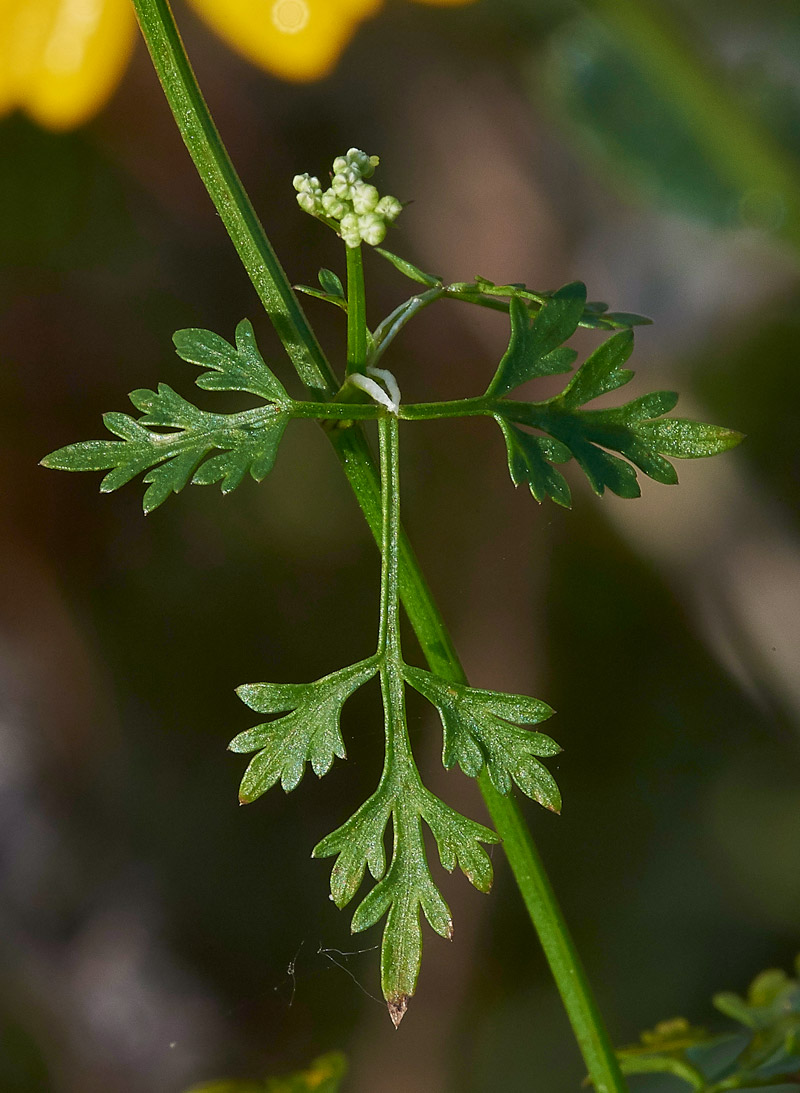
{"type": "Point", "coordinates": [413, 411]}
{"type": "Point", "coordinates": [213, 165]}
{"type": "Point", "coordinates": [338, 411]}
{"type": "Point", "coordinates": [467, 407]}
{"type": "Point", "coordinates": [229, 196]}
{"type": "Point", "coordinates": [356, 312]}
{"type": "Point", "coordinates": [390, 327]}
{"type": "Point", "coordinates": [398, 745]}
{"type": "Point", "coordinates": [390, 534]}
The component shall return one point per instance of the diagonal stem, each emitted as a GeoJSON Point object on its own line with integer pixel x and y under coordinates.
{"type": "Point", "coordinates": [226, 191]}
{"type": "Point", "coordinates": [232, 202]}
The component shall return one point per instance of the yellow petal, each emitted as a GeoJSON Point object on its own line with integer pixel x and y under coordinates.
{"type": "Point", "coordinates": [61, 59]}
{"type": "Point", "coordinates": [294, 39]}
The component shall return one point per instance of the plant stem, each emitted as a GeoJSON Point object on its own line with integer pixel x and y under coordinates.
{"type": "Point", "coordinates": [399, 757]}
{"type": "Point", "coordinates": [389, 629]}
{"type": "Point", "coordinates": [225, 189]}
{"type": "Point", "coordinates": [229, 196]}
{"type": "Point", "coordinates": [390, 327]}
{"type": "Point", "coordinates": [356, 312]}
{"type": "Point", "coordinates": [413, 411]}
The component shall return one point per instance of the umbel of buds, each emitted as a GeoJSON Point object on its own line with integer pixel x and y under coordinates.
{"type": "Point", "coordinates": [351, 206]}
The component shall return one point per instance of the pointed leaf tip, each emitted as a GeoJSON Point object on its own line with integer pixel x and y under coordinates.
{"type": "Point", "coordinates": [397, 1006]}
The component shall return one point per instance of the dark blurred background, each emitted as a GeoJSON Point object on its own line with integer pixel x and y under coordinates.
{"type": "Point", "coordinates": [147, 921]}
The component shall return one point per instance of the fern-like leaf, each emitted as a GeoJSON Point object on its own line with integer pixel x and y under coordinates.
{"type": "Point", "coordinates": [636, 430]}
{"type": "Point", "coordinates": [482, 728]}
{"type": "Point", "coordinates": [175, 442]}
{"type": "Point", "coordinates": [309, 734]}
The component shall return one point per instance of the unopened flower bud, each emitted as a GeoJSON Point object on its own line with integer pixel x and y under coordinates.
{"type": "Point", "coordinates": [334, 207]}
{"type": "Point", "coordinates": [340, 185]}
{"type": "Point", "coordinates": [372, 229]}
{"type": "Point", "coordinates": [306, 184]}
{"type": "Point", "coordinates": [358, 207]}
{"type": "Point", "coordinates": [389, 208]}
{"type": "Point", "coordinates": [349, 230]}
{"type": "Point", "coordinates": [365, 197]}
{"type": "Point", "coordinates": [309, 203]}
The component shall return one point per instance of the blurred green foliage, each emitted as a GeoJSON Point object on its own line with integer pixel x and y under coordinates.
{"type": "Point", "coordinates": [325, 1075]}
{"type": "Point", "coordinates": [768, 1055]}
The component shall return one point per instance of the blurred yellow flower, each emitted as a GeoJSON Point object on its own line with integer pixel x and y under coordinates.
{"type": "Point", "coordinates": [61, 59]}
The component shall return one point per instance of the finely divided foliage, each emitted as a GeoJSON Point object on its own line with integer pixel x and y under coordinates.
{"type": "Point", "coordinates": [244, 442]}
{"type": "Point", "coordinates": [407, 886]}
{"type": "Point", "coordinates": [481, 727]}
{"type": "Point", "coordinates": [173, 442]}
{"type": "Point", "coordinates": [636, 430]}
{"type": "Point", "coordinates": [310, 733]}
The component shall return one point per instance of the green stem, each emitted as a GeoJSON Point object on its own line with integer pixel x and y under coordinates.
{"type": "Point", "coordinates": [465, 407]}
{"type": "Point", "coordinates": [390, 327]}
{"type": "Point", "coordinates": [211, 159]}
{"type": "Point", "coordinates": [398, 746]}
{"type": "Point", "coordinates": [229, 196]}
{"type": "Point", "coordinates": [389, 630]}
{"type": "Point", "coordinates": [356, 312]}
{"type": "Point", "coordinates": [338, 411]}
{"type": "Point", "coordinates": [413, 411]}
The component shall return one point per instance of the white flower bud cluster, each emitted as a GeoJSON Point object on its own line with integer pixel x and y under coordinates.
{"type": "Point", "coordinates": [361, 212]}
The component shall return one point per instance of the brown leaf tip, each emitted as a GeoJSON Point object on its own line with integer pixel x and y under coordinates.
{"type": "Point", "coordinates": [397, 1006]}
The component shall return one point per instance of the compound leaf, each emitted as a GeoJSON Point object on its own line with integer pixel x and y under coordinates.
{"type": "Point", "coordinates": [359, 845]}
{"type": "Point", "coordinates": [531, 349]}
{"type": "Point", "coordinates": [233, 368]}
{"type": "Point", "coordinates": [635, 430]}
{"type": "Point", "coordinates": [407, 887]}
{"type": "Point", "coordinates": [600, 372]}
{"type": "Point", "coordinates": [310, 733]}
{"type": "Point", "coordinates": [684, 439]}
{"type": "Point", "coordinates": [174, 440]}
{"type": "Point", "coordinates": [530, 460]}
{"type": "Point", "coordinates": [249, 441]}
{"type": "Point", "coordinates": [482, 728]}
{"type": "Point", "coordinates": [458, 840]}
